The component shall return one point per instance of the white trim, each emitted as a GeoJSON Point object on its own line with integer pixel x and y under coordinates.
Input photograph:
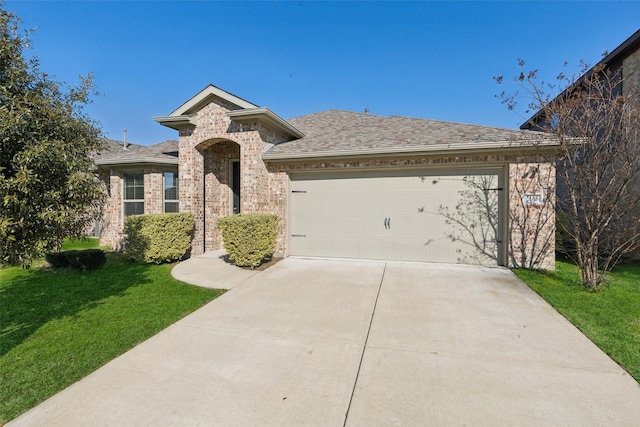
{"type": "Point", "coordinates": [124, 200]}
{"type": "Point", "coordinates": [504, 205]}
{"type": "Point", "coordinates": [138, 161]}
{"type": "Point", "coordinates": [164, 200]}
{"type": "Point", "coordinates": [184, 116]}
{"type": "Point", "coordinates": [476, 147]}
{"type": "Point", "coordinates": [203, 96]}
{"type": "Point", "coordinates": [177, 122]}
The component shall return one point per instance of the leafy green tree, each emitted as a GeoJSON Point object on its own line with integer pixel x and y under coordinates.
{"type": "Point", "coordinates": [48, 184]}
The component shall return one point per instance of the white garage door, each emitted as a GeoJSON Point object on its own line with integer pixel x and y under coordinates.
{"type": "Point", "coordinates": [412, 216]}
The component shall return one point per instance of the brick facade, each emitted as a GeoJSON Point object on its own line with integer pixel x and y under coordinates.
{"type": "Point", "coordinates": [112, 223]}
{"type": "Point", "coordinates": [631, 73]}
{"type": "Point", "coordinates": [111, 230]}
{"type": "Point", "coordinates": [532, 223]}
{"type": "Point", "coordinates": [205, 153]}
{"type": "Point", "coordinates": [631, 86]}
{"type": "Point", "coordinates": [537, 223]}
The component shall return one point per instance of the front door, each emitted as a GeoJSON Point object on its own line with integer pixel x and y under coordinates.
{"type": "Point", "coordinates": [235, 186]}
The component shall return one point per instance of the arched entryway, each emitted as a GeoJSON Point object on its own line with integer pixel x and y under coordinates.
{"type": "Point", "coordinates": [222, 186]}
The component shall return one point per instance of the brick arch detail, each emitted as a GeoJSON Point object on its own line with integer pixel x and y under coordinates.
{"type": "Point", "coordinates": [217, 192]}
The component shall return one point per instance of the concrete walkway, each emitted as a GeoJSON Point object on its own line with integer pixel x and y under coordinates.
{"type": "Point", "coordinates": [211, 271]}
{"type": "Point", "coordinates": [333, 343]}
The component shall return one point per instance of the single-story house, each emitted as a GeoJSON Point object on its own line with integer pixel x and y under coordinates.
{"type": "Point", "coordinates": [344, 184]}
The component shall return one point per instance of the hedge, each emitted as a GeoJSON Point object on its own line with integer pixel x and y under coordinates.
{"type": "Point", "coordinates": [158, 238]}
{"type": "Point", "coordinates": [88, 259]}
{"type": "Point", "coordinates": [249, 239]}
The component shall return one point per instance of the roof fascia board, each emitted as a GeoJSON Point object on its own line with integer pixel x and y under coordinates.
{"type": "Point", "coordinates": [626, 45]}
{"type": "Point", "coordinates": [138, 161]}
{"type": "Point", "coordinates": [629, 44]}
{"type": "Point", "coordinates": [205, 95]}
{"type": "Point", "coordinates": [451, 149]}
{"type": "Point", "coordinates": [177, 122]}
{"type": "Point", "coordinates": [268, 118]}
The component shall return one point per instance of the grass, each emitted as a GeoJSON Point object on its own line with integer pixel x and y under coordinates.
{"type": "Point", "coordinates": [609, 317]}
{"type": "Point", "coordinates": [57, 326]}
{"type": "Point", "coordinates": [79, 244]}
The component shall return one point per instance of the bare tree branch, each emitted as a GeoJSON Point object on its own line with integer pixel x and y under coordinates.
{"type": "Point", "coordinates": [597, 127]}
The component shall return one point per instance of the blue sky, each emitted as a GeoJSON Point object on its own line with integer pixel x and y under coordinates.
{"type": "Point", "coordinates": [420, 59]}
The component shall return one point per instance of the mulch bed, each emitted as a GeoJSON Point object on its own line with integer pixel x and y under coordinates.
{"type": "Point", "coordinates": [265, 264]}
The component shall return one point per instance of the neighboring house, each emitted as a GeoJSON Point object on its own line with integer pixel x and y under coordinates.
{"type": "Point", "coordinates": [624, 62]}
{"type": "Point", "coordinates": [344, 184]}
{"type": "Point", "coordinates": [626, 58]}
{"type": "Point", "coordinates": [623, 65]}
{"type": "Point", "coordinates": [139, 180]}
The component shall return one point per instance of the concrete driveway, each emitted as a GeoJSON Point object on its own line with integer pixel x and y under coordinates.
{"type": "Point", "coordinates": [333, 343]}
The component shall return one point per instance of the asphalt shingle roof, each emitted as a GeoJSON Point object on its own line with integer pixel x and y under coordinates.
{"type": "Point", "coordinates": [342, 132]}
{"type": "Point", "coordinates": [163, 152]}
{"type": "Point", "coordinates": [335, 131]}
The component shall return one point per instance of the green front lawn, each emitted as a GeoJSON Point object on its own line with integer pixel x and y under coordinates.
{"type": "Point", "coordinates": [610, 317]}
{"type": "Point", "coordinates": [58, 326]}
{"type": "Point", "coordinates": [79, 244]}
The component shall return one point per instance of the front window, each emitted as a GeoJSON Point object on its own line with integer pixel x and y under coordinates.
{"type": "Point", "coordinates": [171, 192]}
{"type": "Point", "coordinates": [133, 193]}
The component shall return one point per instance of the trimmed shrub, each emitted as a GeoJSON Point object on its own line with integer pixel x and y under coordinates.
{"type": "Point", "coordinates": [57, 259]}
{"type": "Point", "coordinates": [158, 238]}
{"type": "Point", "coordinates": [88, 259]}
{"type": "Point", "coordinates": [249, 239]}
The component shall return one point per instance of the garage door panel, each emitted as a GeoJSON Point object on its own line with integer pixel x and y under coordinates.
{"type": "Point", "coordinates": [413, 216]}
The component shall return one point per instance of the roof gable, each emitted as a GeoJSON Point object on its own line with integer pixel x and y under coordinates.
{"type": "Point", "coordinates": [240, 111]}
{"type": "Point", "coordinates": [185, 115]}
{"type": "Point", "coordinates": [205, 96]}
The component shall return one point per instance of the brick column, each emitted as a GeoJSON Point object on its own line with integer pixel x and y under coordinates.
{"type": "Point", "coordinates": [191, 173]}
{"type": "Point", "coordinates": [153, 189]}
